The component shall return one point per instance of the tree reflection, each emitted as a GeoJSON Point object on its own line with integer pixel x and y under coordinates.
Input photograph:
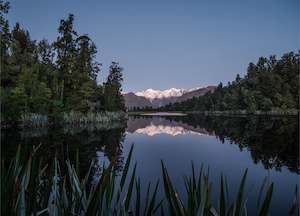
{"type": "Point", "coordinates": [271, 140]}
{"type": "Point", "coordinates": [68, 143]}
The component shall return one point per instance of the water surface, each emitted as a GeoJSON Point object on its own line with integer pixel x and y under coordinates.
{"type": "Point", "coordinates": [266, 146]}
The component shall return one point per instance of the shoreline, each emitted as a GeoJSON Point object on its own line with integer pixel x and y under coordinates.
{"type": "Point", "coordinates": [5, 125]}
{"type": "Point", "coordinates": [247, 113]}
{"type": "Point", "coordinates": [220, 113]}
{"type": "Point", "coordinates": [68, 119]}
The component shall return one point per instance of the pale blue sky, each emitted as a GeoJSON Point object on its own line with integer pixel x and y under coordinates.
{"type": "Point", "coordinates": [171, 43]}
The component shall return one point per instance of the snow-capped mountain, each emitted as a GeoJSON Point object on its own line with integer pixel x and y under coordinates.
{"type": "Point", "coordinates": [158, 98]}
{"type": "Point", "coordinates": [153, 94]}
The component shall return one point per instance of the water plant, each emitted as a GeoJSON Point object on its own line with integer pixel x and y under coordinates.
{"type": "Point", "coordinates": [35, 187]}
{"type": "Point", "coordinates": [33, 120]}
{"type": "Point", "coordinates": [72, 118]}
{"type": "Point", "coordinates": [77, 118]}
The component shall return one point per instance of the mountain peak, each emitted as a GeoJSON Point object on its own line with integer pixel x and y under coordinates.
{"type": "Point", "coordinates": [154, 94]}
{"type": "Point", "coordinates": [157, 98]}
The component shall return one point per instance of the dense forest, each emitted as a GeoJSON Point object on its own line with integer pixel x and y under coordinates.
{"type": "Point", "coordinates": [51, 78]}
{"type": "Point", "coordinates": [270, 84]}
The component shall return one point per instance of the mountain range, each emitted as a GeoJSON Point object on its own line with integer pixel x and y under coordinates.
{"type": "Point", "coordinates": [158, 98]}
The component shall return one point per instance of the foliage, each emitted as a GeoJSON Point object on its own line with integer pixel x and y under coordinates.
{"type": "Point", "coordinates": [34, 120]}
{"type": "Point", "coordinates": [112, 89]}
{"type": "Point", "coordinates": [271, 84]}
{"type": "Point", "coordinates": [51, 78]}
{"type": "Point", "coordinates": [32, 186]}
{"type": "Point", "coordinates": [77, 118]}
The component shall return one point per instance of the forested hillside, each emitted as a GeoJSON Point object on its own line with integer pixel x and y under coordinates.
{"type": "Point", "coordinates": [270, 84]}
{"type": "Point", "coordinates": [50, 78]}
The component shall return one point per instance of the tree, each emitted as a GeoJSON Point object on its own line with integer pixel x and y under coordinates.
{"type": "Point", "coordinates": [65, 46]}
{"type": "Point", "coordinates": [84, 75]}
{"type": "Point", "coordinates": [51, 78]}
{"type": "Point", "coordinates": [113, 88]}
{"type": "Point", "coordinates": [270, 84]}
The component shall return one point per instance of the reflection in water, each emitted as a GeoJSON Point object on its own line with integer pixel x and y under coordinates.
{"type": "Point", "coordinates": [102, 145]}
{"type": "Point", "coordinates": [159, 125]}
{"type": "Point", "coordinates": [268, 144]}
{"type": "Point", "coordinates": [268, 141]}
{"type": "Point", "coordinates": [271, 140]}
{"type": "Point", "coordinates": [153, 130]}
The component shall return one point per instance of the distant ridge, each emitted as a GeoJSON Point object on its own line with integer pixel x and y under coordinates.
{"type": "Point", "coordinates": [158, 98]}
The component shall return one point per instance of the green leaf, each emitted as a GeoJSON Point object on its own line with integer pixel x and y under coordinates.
{"type": "Point", "coordinates": [266, 204]}
{"type": "Point", "coordinates": [129, 190]}
{"type": "Point", "coordinates": [239, 198]}
{"type": "Point", "coordinates": [138, 197]}
{"type": "Point", "coordinates": [222, 199]}
{"type": "Point", "coordinates": [295, 204]}
{"type": "Point", "coordinates": [152, 202]}
{"type": "Point", "coordinates": [126, 167]}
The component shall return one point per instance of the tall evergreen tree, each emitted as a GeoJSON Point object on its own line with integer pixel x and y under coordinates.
{"type": "Point", "coordinates": [113, 88]}
{"type": "Point", "coordinates": [84, 75]}
{"type": "Point", "coordinates": [65, 46]}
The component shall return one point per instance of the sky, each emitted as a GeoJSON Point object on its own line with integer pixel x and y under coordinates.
{"type": "Point", "coordinates": [171, 43]}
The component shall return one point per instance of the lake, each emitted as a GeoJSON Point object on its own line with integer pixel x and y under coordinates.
{"type": "Point", "coordinates": [267, 146]}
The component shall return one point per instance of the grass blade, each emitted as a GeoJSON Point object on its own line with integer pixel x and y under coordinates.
{"type": "Point", "coordinates": [266, 204]}
{"type": "Point", "coordinates": [239, 198]}
{"type": "Point", "coordinates": [222, 204]}
{"type": "Point", "coordinates": [130, 187]}
{"type": "Point", "coordinates": [126, 167]}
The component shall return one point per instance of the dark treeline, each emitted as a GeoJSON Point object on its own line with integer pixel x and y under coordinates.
{"type": "Point", "coordinates": [51, 78]}
{"type": "Point", "coordinates": [271, 84]}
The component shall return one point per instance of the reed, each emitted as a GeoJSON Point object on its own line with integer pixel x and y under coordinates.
{"type": "Point", "coordinates": [72, 118]}
{"type": "Point", "coordinates": [33, 120]}
{"type": "Point", "coordinates": [77, 118]}
{"type": "Point", "coordinates": [32, 187]}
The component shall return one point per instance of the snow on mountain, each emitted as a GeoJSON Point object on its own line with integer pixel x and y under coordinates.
{"type": "Point", "coordinates": [194, 89]}
{"type": "Point", "coordinates": [153, 94]}
{"type": "Point", "coordinates": [172, 92]}
{"type": "Point", "coordinates": [158, 98]}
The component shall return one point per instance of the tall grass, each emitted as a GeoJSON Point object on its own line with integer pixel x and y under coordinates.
{"type": "Point", "coordinates": [77, 118]}
{"type": "Point", "coordinates": [72, 118]}
{"type": "Point", "coordinates": [33, 120]}
{"type": "Point", "coordinates": [33, 187]}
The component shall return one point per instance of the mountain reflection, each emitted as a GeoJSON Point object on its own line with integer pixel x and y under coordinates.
{"type": "Point", "coordinates": [156, 125]}
{"type": "Point", "coordinates": [153, 130]}
{"type": "Point", "coordinates": [270, 140]}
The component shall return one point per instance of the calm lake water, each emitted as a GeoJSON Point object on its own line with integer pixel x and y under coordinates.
{"type": "Point", "coordinates": [267, 146]}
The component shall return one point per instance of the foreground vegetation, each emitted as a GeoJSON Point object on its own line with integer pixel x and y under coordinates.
{"type": "Point", "coordinates": [42, 81]}
{"type": "Point", "coordinates": [35, 187]}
